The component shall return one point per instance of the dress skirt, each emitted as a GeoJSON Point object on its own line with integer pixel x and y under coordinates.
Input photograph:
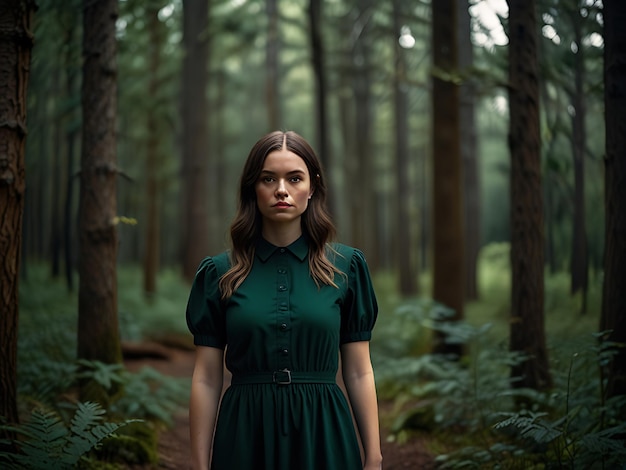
{"type": "Point", "coordinates": [300, 426]}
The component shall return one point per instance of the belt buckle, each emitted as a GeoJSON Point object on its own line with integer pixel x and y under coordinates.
{"type": "Point", "coordinates": [281, 380]}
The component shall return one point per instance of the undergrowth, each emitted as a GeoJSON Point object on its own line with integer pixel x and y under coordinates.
{"type": "Point", "coordinates": [467, 409]}
{"type": "Point", "coordinates": [48, 441]}
{"type": "Point", "coordinates": [49, 374]}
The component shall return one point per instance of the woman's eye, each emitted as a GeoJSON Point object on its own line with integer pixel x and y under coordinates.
{"type": "Point", "coordinates": [267, 179]}
{"type": "Point", "coordinates": [295, 179]}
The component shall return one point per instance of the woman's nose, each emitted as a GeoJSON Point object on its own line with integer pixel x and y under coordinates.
{"type": "Point", "coordinates": [281, 189]}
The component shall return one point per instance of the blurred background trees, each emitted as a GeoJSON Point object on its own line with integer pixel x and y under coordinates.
{"type": "Point", "coordinates": [194, 94]}
{"type": "Point", "coordinates": [454, 134]}
{"type": "Point", "coordinates": [410, 120]}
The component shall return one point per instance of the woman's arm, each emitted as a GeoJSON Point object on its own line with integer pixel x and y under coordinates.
{"type": "Point", "coordinates": [206, 389]}
{"type": "Point", "coordinates": [358, 377]}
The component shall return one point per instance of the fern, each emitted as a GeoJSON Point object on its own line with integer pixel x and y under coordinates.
{"type": "Point", "coordinates": [150, 395]}
{"type": "Point", "coordinates": [104, 374]}
{"type": "Point", "coordinates": [48, 442]}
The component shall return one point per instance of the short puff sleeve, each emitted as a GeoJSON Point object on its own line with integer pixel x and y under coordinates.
{"type": "Point", "coordinates": [205, 309]}
{"type": "Point", "coordinates": [360, 309]}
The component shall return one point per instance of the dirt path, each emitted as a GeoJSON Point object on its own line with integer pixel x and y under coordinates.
{"type": "Point", "coordinates": [174, 442]}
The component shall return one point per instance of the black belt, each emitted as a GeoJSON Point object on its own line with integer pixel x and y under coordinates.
{"type": "Point", "coordinates": [285, 377]}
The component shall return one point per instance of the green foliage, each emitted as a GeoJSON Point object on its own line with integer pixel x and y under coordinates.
{"type": "Point", "coordinates": [150, 395]}
{"type": "Point", "coordinates": [48, 371]}
{"type": "Point", "coordinates": [570, 426]}
{"type": "Point", "coordinates": [49, 442]}
{"type": "Point", "coordinates": [470, 409]}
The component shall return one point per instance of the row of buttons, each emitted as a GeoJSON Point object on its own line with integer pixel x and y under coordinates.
{"type": "Point", "coordinates": [283, 313]}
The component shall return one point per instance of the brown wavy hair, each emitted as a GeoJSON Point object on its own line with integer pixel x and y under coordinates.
{"type": "Point", "coordinates": [246, 226]}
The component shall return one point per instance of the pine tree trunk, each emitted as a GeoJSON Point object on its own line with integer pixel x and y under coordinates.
{"type": "Point", "coordinates": [98, 329]}
{"type": "Point", "coordinates": [406, 244]}
{"type": "Point", "coordinates": [448, 257]}
{"type": "Point", "coordinates": [152, 226]}
{"type": "Point", "coordinates": [321, 91]}
{"type": "Point", "coordinates": [580, 261]}
{"type": "Point", "coordinates": [272, 52]}
{"type": "Point", "coordinates": [614, 295]}
{"type": "Point", "coordinates": [15, 53]}
{"type": "Point", "coordinates": [527, 239]}
{"type": "Point", "coordinates": [195, 226]}
{"type": "Point", "coordinates": [469, 153]}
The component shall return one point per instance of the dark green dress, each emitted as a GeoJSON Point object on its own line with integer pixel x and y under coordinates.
{"type": "Point", "coordinates": [284, 410]}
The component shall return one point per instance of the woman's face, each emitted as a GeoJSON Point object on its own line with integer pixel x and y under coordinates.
{"type": "Point", "coordinates": [283, 188]}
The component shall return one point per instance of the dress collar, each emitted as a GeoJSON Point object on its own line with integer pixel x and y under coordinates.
{"type": "Point", "coordinates": [299, 248]}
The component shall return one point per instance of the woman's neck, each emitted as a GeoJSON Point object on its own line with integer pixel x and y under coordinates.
{"type": "Point", "coordinates": [281, 235]}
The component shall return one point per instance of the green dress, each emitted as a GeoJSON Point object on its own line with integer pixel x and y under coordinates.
{"type": "Point", "coordinates": [283, 410]}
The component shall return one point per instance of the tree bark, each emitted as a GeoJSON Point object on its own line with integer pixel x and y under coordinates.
{"type": "Point", "coordinates": [272, 80]}
{"type": "Point", "coordinates": [527, 258]}
{"type": "Point", "coordinates": [407, 246]}
{"type": "Point", "coordinates": [613, 317]}
{"type": "Point", "coordinates": [364, 198]}
{"type": "Point", "coordinates": [195, 109]}
{"type": "Point", "coordinates": [152, 245]}
{"type": "Point", "coordinates": [448, 257]}
{"type": "Point", "coordinates": [580, 259]}
{"type": "Point", "coordinates": [469, 153]}
{"type": "Point", "coordinates": [321, 92]}
{"type": "Point", "coordinates": [16, 42]}
{"type": "Point", "coordinates": [98, 333]}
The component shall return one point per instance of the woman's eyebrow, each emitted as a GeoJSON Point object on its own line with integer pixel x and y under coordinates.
{"type": "Point", "coordinates": [292, 172]}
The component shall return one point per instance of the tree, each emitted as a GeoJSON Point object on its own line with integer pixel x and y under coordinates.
{"type": "Point", "coordinates": [98, 335]}
{"type": "Point", "coordinates": [195, 111]}
{"type": "Point", "coordinates": [405, 254]}
{"type": "Point", "coordinates": [272, 56]}
{"type": "Point", "coordinates": [15, 53]}
{"type": "Point", "coordinates": [613, 317]}
{"type": "Point", "coordinates": [527, 261]}
{"type": "Point", "coordinates": [469, 153]}
{"type": "Point", "coordinates": [580, 259]}
{"type": "Point", "coordinates": [154, 124]}
{"type": "Point", "coordinates": [360, 163]}
{"type": "Point", "coordinates": [448, 257]}
{"type": "Point", "coordinates": [319, 72]}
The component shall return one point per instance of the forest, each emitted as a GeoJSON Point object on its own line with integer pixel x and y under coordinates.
{"type": "Point", "coordinates": [475, 152]}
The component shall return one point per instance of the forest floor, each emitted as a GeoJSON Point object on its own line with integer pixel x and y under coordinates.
{"type": "Point", "coordinates": [174, 442]}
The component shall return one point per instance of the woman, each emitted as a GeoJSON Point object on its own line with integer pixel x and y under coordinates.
{"type": "Point", "coordinates": [284, 304]}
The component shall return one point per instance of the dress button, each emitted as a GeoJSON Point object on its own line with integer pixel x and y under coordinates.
{"type": "Point", "coordinates": [283, 326]}
{"type": "Point", "coordinates": [282, 288]}
{"type": "Point", "coordinates": [282, 250]}
{"type": "Point", "coordinates": [285, 352]}
{"type": "Point", "coordinates": [282, 271]}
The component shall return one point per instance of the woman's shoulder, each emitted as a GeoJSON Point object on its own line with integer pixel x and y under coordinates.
{"type": "Point", "coordinates": [219, 263]}
{"type": "Point", "coordinates": [345, 254]}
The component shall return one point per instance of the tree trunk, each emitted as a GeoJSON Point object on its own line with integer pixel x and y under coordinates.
{"type": "Point", "coordinates": [195, 109]}
{"type": "Point", "coordinates": [407, 247]}
{"type": "Point", "coordinates": [448, 258]}
{"type": "Point", "coordinates": [321, 91]}
{"type": "Point", "coordinates": [98, 330]}
{"type": "Point", "coordinates": [72, 52]}
{"type": "Point", "coordinates": [152, 226]}
{"type": "Point", "coordinates": [15, 53]}
{"type": "Point", "coordinates": [580, 260]}
{"type": "Point", "coordinates": [272, 92]}
{"type": "Point", "coordinates": [364, 199]}
{"type": "Point", "coordinates": [469, 153]}
{"type": "Point", "coordinates": [527, 259]}
{"type": "Point", "coordinates": [56, 185]}
{"type": "Point", "coordinates": [614, 295]}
